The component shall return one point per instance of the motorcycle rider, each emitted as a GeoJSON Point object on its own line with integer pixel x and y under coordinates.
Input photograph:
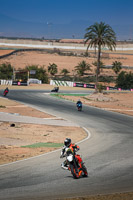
{"type": "Point", "coordinates": [68, 144]}
{"type": "Point", "coordinates": [6, 91]}
{"type": "Point", "coordinates": [79, 102]}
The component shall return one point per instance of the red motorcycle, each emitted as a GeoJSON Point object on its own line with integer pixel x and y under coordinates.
{"type": "Point", "coordinates": [6, 91]}
{"type": "Point", "coordinates": [75, 164]}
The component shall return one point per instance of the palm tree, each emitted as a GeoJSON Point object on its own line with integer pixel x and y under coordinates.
{"type": "Point", "coordinates": [82, 67]}
{"type": "Point", "coordinates": [100, 35]}
{"type": "Point", "coordinates": [64, 72]}
{"type": "Point", "coordinates": [116, 66]}
{"type": "Point", "coordinates": [52, 69]}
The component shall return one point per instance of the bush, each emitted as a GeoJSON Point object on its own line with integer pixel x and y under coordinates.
{"type": "Point", "coordinates": [108, 79]}
{"type": "Point", "coordinates": [125, 80]}
{"type": "Point", "coordinates": [40, 73]}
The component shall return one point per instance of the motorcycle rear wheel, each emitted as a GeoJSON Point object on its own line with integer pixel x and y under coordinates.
{"type": "Point", "coordinates": [79, 108]}
{"type": "Point", "coordinates": [74, 171]}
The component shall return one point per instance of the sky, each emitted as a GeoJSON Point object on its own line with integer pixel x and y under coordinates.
{"type": "Point", "coordinates": [64, 18]}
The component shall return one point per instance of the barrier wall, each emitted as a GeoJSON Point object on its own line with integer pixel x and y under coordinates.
{"type": "Point", "coordinates": [84, 85]}
{"type": "Point", "coordinates": [61, 83]}
{"type": "Point", "coordinates": [10, 82]}
{"type": "Point", "coordinates": [5, 82]}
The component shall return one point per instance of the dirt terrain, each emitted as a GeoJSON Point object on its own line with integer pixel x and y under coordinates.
{"type": "Point", "coordinates": [15, 135]}
{"type": "Point", "coordinates": [119, 196]}
{"type": "Point", "coordinates": [22, 59]}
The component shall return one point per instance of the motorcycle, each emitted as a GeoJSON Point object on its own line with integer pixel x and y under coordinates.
{"type": "Point", "coordinates": [5, 92]}
{"type": "Point", "coordinates": [79, 106]}
{"type": "Point", "coordinates": [75, 164]}
{"type": "Point", "coordinates": [56, 89]}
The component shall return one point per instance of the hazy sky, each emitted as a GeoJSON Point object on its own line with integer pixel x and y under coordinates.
{"type": "Point", "coordinates": [112, 12]}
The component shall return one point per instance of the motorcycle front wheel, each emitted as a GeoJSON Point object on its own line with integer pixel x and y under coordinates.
{"type": "Point", "coordinates": [84, 169]}
{"type": "Point", "coordinates": [74, 171]}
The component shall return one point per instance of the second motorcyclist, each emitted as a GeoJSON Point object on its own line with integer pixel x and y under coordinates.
{"type": "Point", "coordinates": [79, 105]}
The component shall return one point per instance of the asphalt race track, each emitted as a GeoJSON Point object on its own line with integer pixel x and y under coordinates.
{"type": "Point", "coordinates": [108, 155]}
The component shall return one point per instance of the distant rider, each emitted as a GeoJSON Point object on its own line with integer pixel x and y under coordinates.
{"type": "Point", "coordinates": [6, 91]}
{"type": "Point", "coordinates": [79, 102]}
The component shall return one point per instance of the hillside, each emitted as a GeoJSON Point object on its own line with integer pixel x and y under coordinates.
{"type": "Point", "coordinates": [22, 59]}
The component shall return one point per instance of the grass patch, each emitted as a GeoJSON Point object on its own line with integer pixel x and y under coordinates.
{"type": "Point", "coordinates": [65, 94]}
{"type": "Point", "coordinates": [81, 95]}
{"type": "Point", "coordinates": [2, 106]}
{"type": "Point", "coordinates": [41, 144]}
{"type": "Point", "coordinates": [56, 95]}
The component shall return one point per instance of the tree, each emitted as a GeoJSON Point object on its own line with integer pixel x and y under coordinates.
{"type": "Point", "coordinates": [116, 66]}
{"type": "Point", "coordinates": [100, 35]}
{"type": "Point", "coordinates": [82, 67]}
{"type": "Point", "coordinates": [125, 80]}
{"type": "Point", "coordinates": [6, 71]}
{"type": "Point", "coordinates": [40, 73]}
{"type": "Point", "coordinates": [52, 69]}
{"type": "Point", "coordinates": [64, 72]}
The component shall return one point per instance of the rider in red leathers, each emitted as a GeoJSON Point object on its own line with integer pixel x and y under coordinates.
{"type": "Point", "coordinates": [6, 91]}
{"type": "Point", "coordinates": [68, 144]}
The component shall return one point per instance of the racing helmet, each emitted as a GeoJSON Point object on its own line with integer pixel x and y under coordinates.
{"type": "Point", "coordinates": [67, 142]}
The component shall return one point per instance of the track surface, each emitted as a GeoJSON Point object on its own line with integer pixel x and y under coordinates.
{"type": "Point", "coordinates": [108, 155]}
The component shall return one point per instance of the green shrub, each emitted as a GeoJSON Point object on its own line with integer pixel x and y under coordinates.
{"type": "Point", "coordinates": [6, 71]}
{"type": "Point", "coordinates": [125, 80]}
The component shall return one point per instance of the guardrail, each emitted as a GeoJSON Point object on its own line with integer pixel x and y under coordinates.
{"type": "Point", "coordinates": [61, 83]}
{"type": "Point", "coordinates": [83, 85]}
{"type": "Point", "coordinates": [5, 82]}
{"type": "Point", "coordinates": [10, 82]}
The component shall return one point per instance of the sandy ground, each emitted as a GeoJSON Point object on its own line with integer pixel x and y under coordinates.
{"type": "Point", "coordinates": [121, 196]}
{"type": "Point", "coordinates": [12, 138]}
{"type": "Point", "coordinates": [22, 59]}
{"type": "Point", "coordinates": [3, 52]}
